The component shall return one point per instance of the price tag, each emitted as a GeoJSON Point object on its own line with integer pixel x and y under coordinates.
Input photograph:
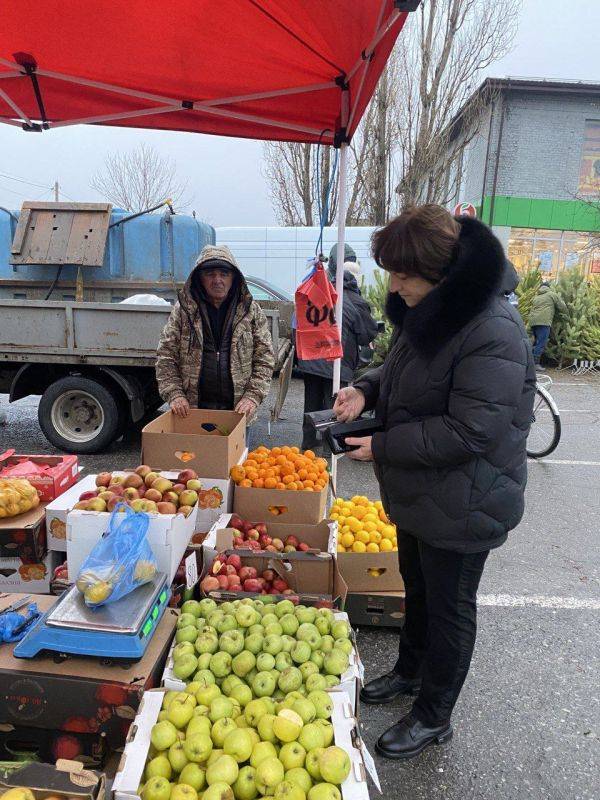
{"type": "Point", "coordinates": [191, 570]}
{"type": "Point", "coordinates": [370, 765]}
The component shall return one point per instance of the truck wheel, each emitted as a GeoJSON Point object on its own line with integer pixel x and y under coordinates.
{"type": "Point", "coordinates": [79, 415]}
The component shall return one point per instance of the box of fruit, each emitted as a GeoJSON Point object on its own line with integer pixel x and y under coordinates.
{"type": "Point", "coordinates": [281, 482]}
{"type": "Point", "coordinates": [299, 748]}
{"type": "Point", "coordinates": [209, 442]}
{"type": "Point", "coordinates": [65, 779]}
{"type": "Point", "coordinates": [231, 532]}
{"type": "Point", "coordinates": [24, 535]}
{"type": "Point", "coordinates": [262, 649]}
{"type": "Point", "coordinates": [57, 510]}
{"type": "Point", "coordinates": [23, 574]}
{"type": "Point", "coordinates": [49, 475]}
{"type": "Point", "coordinates": [170, 504]}
{"type": "Point", "coordinates": [367, 546]}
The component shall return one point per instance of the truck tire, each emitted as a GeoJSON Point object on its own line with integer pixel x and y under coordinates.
{"type": "Point", "coordinates": [79, 415]}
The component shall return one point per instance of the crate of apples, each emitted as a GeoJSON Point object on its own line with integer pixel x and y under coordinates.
{"type": "Point", "coordinates": [228, 573]}
{"type": "Point", "coordinates": [143, 489]}
{"type": "Point", "coordinates": [255, 536]}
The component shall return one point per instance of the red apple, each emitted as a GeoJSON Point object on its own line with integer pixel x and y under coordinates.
{"type": "Point", "coordinates": [141, 491]}
{"type": "Point", "coordinates": [278, 544]}
{"type": "Point", "coordinates": [238, 541]}
{"type": "Point", "coordinates": [178, 488]}
{"type": "Point", "coordinates": [292, 541]}
{"type": "Point", "coordinates": [103, 478]}
{"type": "Point", "coordinates": [265, 540]}
{"type": "Point", "coordinates": [223, 581]}
{"type": "Point", "coordinates": [209, 584]}
{"type": "Point", "coordinates": [273, 591]}
{"type": "Point", "coordinates": [270, 548]}
{"type": "Point", "coordinates": [186, 475]}
{"type": "Point", "coordinates": [268, 575]}
{"type": "Point", "coordinates": [88, 495]}
{"type": "Point", "coordinates": [236, 522]}
{"type": "Point", "coordinates": [303, 547]}
{"type": "Point", "coordinates": [253, 544]}
{"type": "Point", "coordinates": [235, 561]}
{"type": "Point", "coordinates": [252, 585]}
{"type": "Point", "coordinates": [289, 548]}
{"type": "Point", "coordinates": [230, 569]}
{"type": "Point", "coordinates": [233, 580]}
{"type": "Point", "coordinates": [253, 534]}
{"type": "Point", "coordinates": [117, 489]}
{"type": "Point", "coordinates": [280, 585]}
{"type": "Point", "coordinates": [261, 527]}
{"type": "Point", "coordinates": [247, 572]}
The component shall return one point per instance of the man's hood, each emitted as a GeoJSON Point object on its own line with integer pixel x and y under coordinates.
{"type": "Point", "coordinates": [213, 252]}
{"type": "Point", "coordinates": [544, 289]}
{"type": "Point", "coordinates": [349, 255]}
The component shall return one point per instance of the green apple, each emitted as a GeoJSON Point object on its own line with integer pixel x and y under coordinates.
{"type": "Point", "coordinates": [290, 680]}
{"type": "Point", "coordinates": [243, 663]}
{"type": "Point", "coordinates": [162, 715]}
{"type": "Point", "coordinates": [157, 788]}
{"type": "Point", "coordinates": [262, 751]}
{"type": "Point", "coordinates": [228, 607]}
{"type": "Point", "coordinates": [186, 619]}
{"type": "Point", "coordinates": [245, 616]}
{"type": "Point", "coordinates": [204, 660]}
{"type": "Point", "coordinates": [198, 725]}
{"type": "Point", "coordinates": [263, 685]}
{"type": "Point", "coordinates": [219, 791]}
{"type": "Point", "coordinates": [229, 683]}
{"type": "Point", "coordinates": [224, 769]}
{"type": "Point", "coordinates": [269, 773]}
{"type": "Point", "coordinates": [216, 754]}
{"type": "Point", "coordinates": [168, 699]}
{"type": "Point", "coordinates": [193, 775]}
{"type": "Point", "coordinates": [197, 748]}
{"type": "Point", "coordinates": [306, 709]}
{"type": "Point", "coordinates": [323, 625]}
{"type": "Point", "coordinates": [159, 767]}
{"type": "Point", "coordinates": [269, 618]}
{"type": "Point", "coordinates": [227, 623]}
{"type": "Point", "coordinates": [181, 791]}
{"type": "Point", "coordinates": [283, 661]}
{"type": "Point", "coordinates": [214, 617]}
{"type": "Point", "coordinates": [242, 694]}
{"type": "Point", "coordinates": [273, 629]}
{"type": "Point", "coordinates": [289, 624]}
{"type": "Point", "coordinates": [315, 682]}
{"type": "Point", "coordinates": [288, 643]}
{"type": "Point", "coordinates": [192, 688]}
{"type": "Point", "coordinates": [191, 607]}
{"type": "Point", "coordinates": [327, 643]}
{"type": "Point", "coordinates": [322, 703]}
{"type": "Point", "coordinates": [268, 701]}
{"type": "Point", "coordinates": [207, 695]}
{"type": "Point", "coordinates": [327, 729]}
{"type": "Point", "coordinates": [181, 710]}
{"type": "Point", "coordinates": [332, 680]}
{"type": "Point", "coordinates": [221, 728]}
{"type": "Point", "coordinates": [289, 791]}
{"type": "Point", "coordinates": [242, 722]}
{"type": "Point", "coordinates": [181, 649]}
{"type": "Point", "coordinates": [245, 786]}
{"type": "Point", "coordinates": [287, 725]}
{"type": "Point", "coordinates": [311, 765]}
{"type": "Point", "coordinates": [187, 634]}
{"type": "Point", "coordinates": [254, 642]}
{"type": "Point", "coordinates": [204, 677]}
{"type": "Point", "coordinates": [340, 630]}
{"type": "Point", "coordinates": [232, 642]}
{"type": "Point", "coordinates": [284, 607]}
{"type": "Point", "coordinates": [273, 644]}
{"type": "Point", "coordinates": [300, 777]}
{"type": "Point", "coordinates": [239, 744]}
{"type": "Point", "coordinates": [308, 668]}
{"type": "Point", "coordinates": [334, 765]}
{"type": "Point", "coordinates": [254, 736]}
{"type": "Point", "coordinates": [220, 665]}
{"type": "Point", "coordinates": [265, 662]}
{"type": "Point", "coordinates": [305, 614]}
{"type": "Point", "coordinates": [177, 757]}
{"type": "Point", "coordinates": [265, 728]}
{"type": "Point", "coordinates": [207, 606]}
{"type": "Point", "coordinates": [200, 623]}
{"type": "Point", "coordinates": [257, 628]}
{"type": "Point", "coordinates": [301, 652]}
{"type": "Point", "coordinates": [291, 697]}
{"type": "Point", "coordinates": [336, 662]}
{"type": "Point", "coordinates": [312, 736]}
{"type": "Point", "coordinates": [345, 645]}
{"type": "Point", "coordinates": [292, 755]}
{"type": "Point", "coordinates": [206, 643]}
{"type": "Point", "coordinates": [163, 735]}
{"type": "Point", "coordinates": [317, 658]}
{"type": "Point", "coordinates": [322, 791]}
{"type": "Point", "coordinates": [220, 708]}
{"type": "Point", "coordinates": [254, 711]}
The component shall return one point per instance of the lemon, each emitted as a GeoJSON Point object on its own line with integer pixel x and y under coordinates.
{"type": "Point", "coordinates": [375, 537]}
{"type": "Point", "coordinates": [386, 546]}
{"type": "Point", "coordinates": [372, 547]}
{"type": "Point", "coordinates": [341, 548]}
{"type": "Point", "coordinates": [362, 536]}
{"type": "Point", "coordinates": [369, 526]}
{"type": "Point", "coordinates": [354, 524]}
{"type": "Point", "coordinates": [359, 512]}
{"type": "Point", "coordinates": [370, 518]}
{"type": "Point", "coordinates": [347, 539]}
{"type": "Point", "coordinates": [360, 547]}
{"type": "Point", "coordinates": [346, 512]}
{"type": "Point", "coordinates": [388, 532]}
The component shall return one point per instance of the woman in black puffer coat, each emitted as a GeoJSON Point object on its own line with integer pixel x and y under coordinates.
{"type": "Point", "coordinates": [455, 396]}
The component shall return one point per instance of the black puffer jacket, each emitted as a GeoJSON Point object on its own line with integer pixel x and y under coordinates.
{"type": "Point", "coordinates": [358, 330]}
{"type": "Point", "coordinates": [455, 395]}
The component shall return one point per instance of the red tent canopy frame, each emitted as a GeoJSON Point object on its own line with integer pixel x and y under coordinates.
{"type": "Point", "coordinates": [264, 69]}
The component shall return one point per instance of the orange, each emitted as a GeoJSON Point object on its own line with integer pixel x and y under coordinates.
{"type": "Point", "coordinates": [237, 474]}
{"type": "Point", "coordinates": [287, 479]}
{"type": "Point", "coordinates": [250, 462]}
{"type": "Point", "coordinates": [310, 454]}
{"type": "Point", "coordinates": [246, 483]}
{"type": "Point", "coordinates": [280, 486]}
{"type": "Point", "coordinates": [312, 476]}
{"type": "Point", "coordinates": [308, 489]}
{"type": "Point", "coordinates": [287, 469]}
{"type": "Point", "coordinates": [295, 449]}
{"type": "Point", "coordinates": [309, 484]}
{"type": "Point", "coordinates": [270, 483]}
{"type": "Point", "coordinates": [258, 483]}
{"type": "Point", "coordinates": [292, 486]}
{"type": "Point", "coordinates": [303, 474]}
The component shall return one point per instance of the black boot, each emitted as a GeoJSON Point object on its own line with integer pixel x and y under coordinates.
{"type": "Point", "coordinates": [388, 688]}
{"type": "Point", "coordinates": [409, 737]}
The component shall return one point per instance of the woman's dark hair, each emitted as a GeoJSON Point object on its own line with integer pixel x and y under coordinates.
{"type": "Point", "coordinates": [420, 241]}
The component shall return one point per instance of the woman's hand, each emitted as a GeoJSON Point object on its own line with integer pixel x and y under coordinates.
{"type": "Point", "coordinates": [246, 406]}
{"type": "Point", "coordinates": [349, 404]}
{"type": "Point", "coordinates": [364, 452]}
{"type": "Point", "coordinates": [180, 407]}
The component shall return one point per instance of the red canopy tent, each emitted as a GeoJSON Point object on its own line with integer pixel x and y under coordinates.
{"type": "Point", "coordinates": [264, 69]}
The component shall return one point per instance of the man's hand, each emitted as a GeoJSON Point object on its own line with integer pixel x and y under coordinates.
{"type": "Point", "coordinates": [364, 452]}
{"type": "Point", "coordinates": [246, 406]}
{"type": "Point", "coordinates": [349, 404]}
{"type": "Point", "coordinates": [180, 407]}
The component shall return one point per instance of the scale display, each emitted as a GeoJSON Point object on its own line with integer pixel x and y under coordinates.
{"type": "Point", "coordinates": [119, 631]}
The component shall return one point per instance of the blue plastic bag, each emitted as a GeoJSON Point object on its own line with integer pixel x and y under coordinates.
{"type": "Point", "coordinates": [120, 562]}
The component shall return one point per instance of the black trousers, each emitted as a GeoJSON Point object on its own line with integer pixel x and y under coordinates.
{"type": "Point", "coordinates": [440, 627]}
{"type": "Point", "coordinates": [318, 395]}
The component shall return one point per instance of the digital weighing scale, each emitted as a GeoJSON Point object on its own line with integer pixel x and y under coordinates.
{"type": "Point", "coordinates": [117, 631]}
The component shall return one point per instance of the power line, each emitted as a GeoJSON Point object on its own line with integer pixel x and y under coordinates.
{"type": "Point", "coordinates": [24, 180]}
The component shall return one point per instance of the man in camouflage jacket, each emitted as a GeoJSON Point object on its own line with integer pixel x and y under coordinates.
{"type": "Point", "coordinates": [216, 349]}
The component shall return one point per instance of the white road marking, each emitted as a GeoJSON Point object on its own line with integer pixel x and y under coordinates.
{"type": "Point", "coordinates": [563, 461]}
{"type": "Point", "coordinates": [538, 600]}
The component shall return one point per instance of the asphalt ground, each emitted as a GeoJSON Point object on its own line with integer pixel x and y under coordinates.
{"type": "Point", "coordinates": [527, 724]}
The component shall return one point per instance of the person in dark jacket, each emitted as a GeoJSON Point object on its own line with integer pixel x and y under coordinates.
{"type": "Point", "coordinates": [358, 330]}
{"type": "Point", "coordinates": [455, 398]}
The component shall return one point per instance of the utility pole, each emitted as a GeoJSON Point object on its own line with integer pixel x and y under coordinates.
{"type": "Point", "coordinates": [56, 191]}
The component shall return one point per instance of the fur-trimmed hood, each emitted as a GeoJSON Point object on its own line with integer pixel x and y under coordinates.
{"type": "Point", "coordinates": [474, 278]}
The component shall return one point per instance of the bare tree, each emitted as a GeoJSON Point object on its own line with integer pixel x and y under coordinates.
{"type": "Point", "coordinates": [443, 53]}
{"type": "Point", "coordinates": [140, 179]}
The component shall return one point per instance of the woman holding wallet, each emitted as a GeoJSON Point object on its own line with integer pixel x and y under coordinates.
{"type": "Point", "coordinates": [455, 397]}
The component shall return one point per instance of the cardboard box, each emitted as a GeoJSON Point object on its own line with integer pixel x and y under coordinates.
{"type": "Point", "coordinates": [57, 510]}
{"type": "Point", "coordinates": [24, 535]}
{"type": "Point", "coordinates": [17, 575]}
{"type": "Point", "coordinates": [350, 681]}
{"type": "Point", "coordinates": [306, 508]}
{"type": "Point", "coordinates": [315, 579]}
{"type": "Point", "coordinates": [79, 695]}
{"type": "Point", "coordinates": [66, 778]}
{"type": "Point", "coordinates": [209, 442]}
{"type": "Point", "coordinates": [55, 475]}
{"type": "Point", "coordinates": [321, 537]}
{"type": "Point", "coordinates": [359, 570]}
{"type": "Point", "coordinates": [39, 744]}
{"type": "Point", "coordinates": [378, 609]}
{"type": "Point", "coordinates": [346, 733]}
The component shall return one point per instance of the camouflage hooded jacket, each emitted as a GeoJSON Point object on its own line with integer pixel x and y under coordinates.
{"type": "Point", "coordinates": [179, 355]}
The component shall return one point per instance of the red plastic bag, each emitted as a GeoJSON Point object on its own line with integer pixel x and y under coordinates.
{"type": "Point", "coordinates": [317, 332]}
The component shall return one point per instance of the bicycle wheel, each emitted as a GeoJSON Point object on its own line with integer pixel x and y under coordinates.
{"type": "Point", "coordinates": [544, 434]}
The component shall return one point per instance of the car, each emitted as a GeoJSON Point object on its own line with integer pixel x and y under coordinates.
{"type": "Point", "coordinates": [270, 296]}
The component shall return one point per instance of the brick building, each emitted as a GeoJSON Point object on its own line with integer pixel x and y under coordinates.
{"type": "Point", "coordinates": [532, 170]}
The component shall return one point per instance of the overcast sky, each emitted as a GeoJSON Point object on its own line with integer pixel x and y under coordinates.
{"type": "Point", "coordinates": [556, 39]}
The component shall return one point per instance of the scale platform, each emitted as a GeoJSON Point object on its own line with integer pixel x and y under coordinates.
{"type": "Point", "coordinates": [117, 631]}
